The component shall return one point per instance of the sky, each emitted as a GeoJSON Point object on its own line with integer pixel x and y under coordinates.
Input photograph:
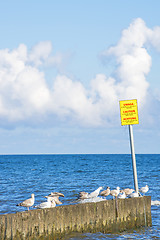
{"type": "Point", "coordinates": [64, 67]}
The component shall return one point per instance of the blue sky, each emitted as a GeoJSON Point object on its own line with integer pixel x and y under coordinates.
{"type": "Point", "coordinates": [64, 67]}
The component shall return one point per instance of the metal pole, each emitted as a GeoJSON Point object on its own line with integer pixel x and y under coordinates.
{"type": "Point", "coordinates": [133, 158]}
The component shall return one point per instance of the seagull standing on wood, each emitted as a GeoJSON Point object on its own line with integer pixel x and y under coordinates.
{"type": "Point", "coordinates": [47, 204]}
{"type": "Point", "coordinates": [115, 192]}
{"type": "Point", "coordinates": [127, 191]}
{"type": "Point", "coordinates": [83, 195]}
{"type": "Point", "coordinates": [94, 194]}
{"type": "Point", "coordinates": [55, 196]}
{"type": "Point", "coordinates": [106, 192]}
{"type": "Point", "coordinates": [144, 189]}
{"type": "Point", "coordinates": [28, 202]}
{"type": "Point", "coordinates": [122, 196]}
{"type": "Point", "coordinates": [134, 194]}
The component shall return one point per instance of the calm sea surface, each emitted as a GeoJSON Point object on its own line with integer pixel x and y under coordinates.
{"type": "Point", "coordinates": [21, 175]}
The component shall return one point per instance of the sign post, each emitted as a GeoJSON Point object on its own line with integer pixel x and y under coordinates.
{"type": "Point", "coordinates": [129, 116]}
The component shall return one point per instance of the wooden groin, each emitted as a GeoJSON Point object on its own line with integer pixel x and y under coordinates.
{"type": "Point", "coordinates": [56, 223]}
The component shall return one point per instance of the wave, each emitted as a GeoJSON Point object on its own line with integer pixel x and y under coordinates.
{"type": "Point", "coordinates": [156, 202]}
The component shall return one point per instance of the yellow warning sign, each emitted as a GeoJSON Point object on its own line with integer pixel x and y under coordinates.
{"type": "Point", "coordinates": [129, 112]}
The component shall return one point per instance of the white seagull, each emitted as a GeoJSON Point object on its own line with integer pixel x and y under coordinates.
{"type": "Point", "coordinates": [127, 191]}
{"type": "Point", "coordinates": [95, 193]}
{"type": "Point", "coordinates": [83, 195]}
{"type": "Point", "coordinates": [144, 189]}
{"type": "Point", "coordinates": [122, 195]}
{"type": "Point", "coordinates": [86, 195]}
{"type": "Point", "coordinates": [55, 196]}
{"type": "Point", "coordinates": [115, 192]}
{"type": "Point", "coordinates": [134, 194]}
{"type": "Point", "coordinates": [106, 192]}
{"type": "Point", "coordinates": [28, 202]}
{"type": "Point", "coordinates": [47, 204]}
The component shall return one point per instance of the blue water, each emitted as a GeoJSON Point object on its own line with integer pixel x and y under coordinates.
{"type": "Point", "coordinates": [21, 175]}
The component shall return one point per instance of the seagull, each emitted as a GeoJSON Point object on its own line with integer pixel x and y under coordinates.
{"type": "Point", "coordinates": [95, 193]}
{"type": "Point", "coordinates": [115, 192]}
{"type": "Point", "coordinates": [47, 204]}
{"type": "Point", "coordinates": [83, 195]}
{"type": "Point", "coordinates": [28, 202]}
{"type": "Point", "coordinates": [144, 189]}
{"type": "Point", "coordinates": [55, 196]}
{"type": "Point", "coordinates": [127, 191]}
{"type": "Point", "coordinates": [122, 196]}
{"type": "Point", "coordinates": [134, 194]}
{"type": "Point", "coordinates": [86, 195]}
{"type": "Point", "coordinates": [53, 203]}
{"type": "Point", "coordinates": [106, 192]}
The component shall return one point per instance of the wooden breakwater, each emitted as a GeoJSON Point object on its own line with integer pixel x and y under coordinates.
{"type": "Point", "coordinates": [56, 223]}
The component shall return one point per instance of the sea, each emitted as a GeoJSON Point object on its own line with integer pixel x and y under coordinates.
{"type": "Point", "coordinates": [22, 175]}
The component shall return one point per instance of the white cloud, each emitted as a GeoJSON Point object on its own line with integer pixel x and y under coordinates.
{"type": "Point", "coordinates": [23, 89]}
{"type": "Point", "coordinates": [154, 37]}
{"type": "Point", "coordinates": [71, 99]}
{"type": "Point", "coordinates": [40, 53]}
{"type": "Point", "coordinates": [24, 93]}
{"type": "Point", "coordinates": [133, 61]}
